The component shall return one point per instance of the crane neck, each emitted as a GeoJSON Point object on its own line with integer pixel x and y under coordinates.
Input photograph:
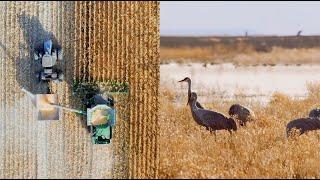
{"type": "Point", "coordinates": [189, 88]}
{"type": "Point", "coordinates": [194, 109]}
{"type": "Point", "coordinates": [193, 104]}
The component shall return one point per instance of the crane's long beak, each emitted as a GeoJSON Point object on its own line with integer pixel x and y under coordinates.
{"type": "Point", "coordinates": [181, 80]}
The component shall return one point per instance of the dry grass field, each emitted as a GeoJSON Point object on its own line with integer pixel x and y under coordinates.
{"type": "Point", "coordinates": [101, 41]}
{"type": "Point", "coordinates": [289, 50]}
{"type": "Point", "coordinates": [259, 150]}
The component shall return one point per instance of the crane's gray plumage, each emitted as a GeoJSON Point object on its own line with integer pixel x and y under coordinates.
{"type": "Point", "coordinates": [315, 113]}
{"type": "Point", "coordinates": [241, 113]}
{"type": "Point", "coordinates": [303, 125]}
{"type": "Point", "coordinates": [211, 120]}
{"type": "Point", "coordinates": [187, 79]}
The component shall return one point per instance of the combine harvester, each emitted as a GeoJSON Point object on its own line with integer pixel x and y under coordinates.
{"type": "Point", "coordinates": [100, 119]}
{"type": "Point", "coordinates": [100, 116]}
{"type": "Point", "coordinates": [100, 112]}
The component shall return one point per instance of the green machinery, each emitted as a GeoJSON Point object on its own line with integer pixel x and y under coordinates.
{"type": "Point", "coordinates": [102, 133]}
{"type": "Point", "coordinates": [100, 119]}
{"type": "Point", "coordinates": [99, 103]}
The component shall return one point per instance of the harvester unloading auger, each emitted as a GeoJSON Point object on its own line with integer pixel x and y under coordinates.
{"type": "Point", "coordinates": [100, 118]}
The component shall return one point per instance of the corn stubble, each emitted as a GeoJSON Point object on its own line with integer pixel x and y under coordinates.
{"type": "Point", "coordinates": [259, 150]}
{"type": "Point", "coordinates": [102, 41]}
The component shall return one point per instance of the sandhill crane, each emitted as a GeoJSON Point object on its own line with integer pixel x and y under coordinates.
{"type": "Point", "coordinates": [187, 79]}
{"type": "Point", "coordinates": [241, 113]}
{"type": "Point", "coordinates": [213, 121]}
{"type": "Point", "coordinates": [315, 113]}
{"type": "Point", "coordinates": [303, 125]}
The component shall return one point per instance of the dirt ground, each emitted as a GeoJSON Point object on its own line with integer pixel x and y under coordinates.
{"type": "Point", "coordinates": [31, 148]}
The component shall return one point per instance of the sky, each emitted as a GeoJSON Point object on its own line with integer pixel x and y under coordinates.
{"type": "Point", "coordinates": [198, 18]}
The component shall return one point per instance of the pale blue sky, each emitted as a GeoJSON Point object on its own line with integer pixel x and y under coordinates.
{"type": "Point", "coordinates": [234, 18]}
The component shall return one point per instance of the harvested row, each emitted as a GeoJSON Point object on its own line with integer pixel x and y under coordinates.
{"type": "Point", "coordinates": [18, 130]}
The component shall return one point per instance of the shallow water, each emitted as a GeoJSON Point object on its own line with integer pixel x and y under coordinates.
{"type": "Point", "coordinates": [227, 80]}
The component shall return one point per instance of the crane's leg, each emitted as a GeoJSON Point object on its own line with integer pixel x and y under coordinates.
{"type": "Point", "coordinates": [230, 131]}
{"type": "Point", "coordinates": [215, 135]}
{"type": "Point", "coordinates": [213, 131]}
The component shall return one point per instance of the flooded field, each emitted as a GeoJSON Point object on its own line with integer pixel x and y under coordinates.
{"type": "Point", "coordinates": [253, 82]}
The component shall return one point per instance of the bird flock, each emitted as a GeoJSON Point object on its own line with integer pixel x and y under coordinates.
{"type": "Point", "coordinates": [242, 115]}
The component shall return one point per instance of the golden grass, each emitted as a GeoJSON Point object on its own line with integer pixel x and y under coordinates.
{"type": "Point", "coordinates": [184, 54]}
{"type": "Point", "coordinates": [241, 55]}
{"type": "Point", "coordinates": [259, 150]}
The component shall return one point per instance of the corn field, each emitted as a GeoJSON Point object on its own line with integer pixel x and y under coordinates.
{"type": "Point", "coordinates": [101, 41]}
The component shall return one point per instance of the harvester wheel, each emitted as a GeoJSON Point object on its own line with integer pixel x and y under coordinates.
{"type": "Point", "coordinates": [38, 76]}
{"type": "Point", "coordinates": [61, 77]}
{"type": "Point", "coordinates": [110, 132]}
{"type": "Point", "coordinates": [60, 54]}
{"type": "Point", "coordinates": [36, 56]}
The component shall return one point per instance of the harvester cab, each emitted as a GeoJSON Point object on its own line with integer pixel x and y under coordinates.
{"type": "Point", "coordinates": [48, 57]}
